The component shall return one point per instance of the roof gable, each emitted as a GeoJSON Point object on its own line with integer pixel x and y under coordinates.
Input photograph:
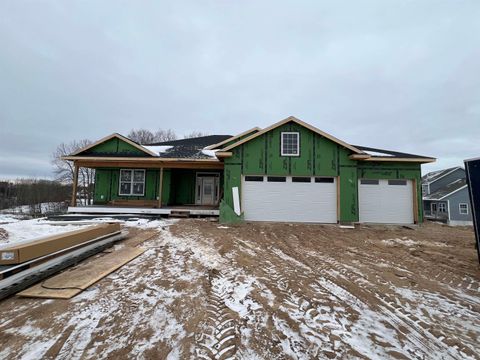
{"type": "Point", "coordinates": [299, 122]}
{"type": "Point", "coordinates": [116, 145]}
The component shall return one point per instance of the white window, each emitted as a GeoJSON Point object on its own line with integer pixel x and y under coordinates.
{"type": "Point", "coordinates": [290, 144]}
{"type": "Point", "coordinates": [132, 182]}
{"type": "Point", "coordinates": [463, 207]}
{"type": "Point", "coordinates": [433, 206]}
{"type": "Point", "coordinates": [442, 207]}
{"type": "Point", "coordinates": [425, 188]}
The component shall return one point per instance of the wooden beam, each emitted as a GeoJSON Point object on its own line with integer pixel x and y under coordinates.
{"type": "Point", "coordinates": [138, 164]}
{"type": "Point", "coordinates": [160, 188]}
{"type": "Point", "coordinates": [338, 199]}
{"type": "Point", "coordinates": [394, 159]}
{"type": "Point", "coordinates": [75, 184]}
{"type": "Point", "coordinates": [359, 156]}
{"type": "Point", "coordinates": [415, 201]}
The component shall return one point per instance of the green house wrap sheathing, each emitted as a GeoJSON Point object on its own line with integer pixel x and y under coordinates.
{"type": "Point", "coordinates": [178, 186]}
{"type": "Point", "coordinates": [319, 156]}
{"type": "Point", "coordinates": [114, 146]}
{"type": "Point", "coordinates": [107, 183]}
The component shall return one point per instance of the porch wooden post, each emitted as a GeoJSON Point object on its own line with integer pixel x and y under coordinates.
{"type": "Point", "coordinates": [75, 184]}
{"type": "Point", "coordinates": [160, 188]}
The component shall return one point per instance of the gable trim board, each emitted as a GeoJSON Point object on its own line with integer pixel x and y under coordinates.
{"type": "Point", "coordinates": [299, 122]}
{"type": "Point", "coordinates": [109, 137]}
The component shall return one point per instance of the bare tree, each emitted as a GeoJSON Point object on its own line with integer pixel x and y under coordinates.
{"type": "Point", "coordinates": [195, 134]}
{"type": "Point", "coordinates": [64, 170]}
{"type": "Point", "coordinates": [141, 136]}
{"type": "Point", "coordinates": [165, 135]}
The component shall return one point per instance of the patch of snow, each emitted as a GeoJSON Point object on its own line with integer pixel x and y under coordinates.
{"type": "Point", "coordinates": [158, 149]}
{"type": "Point", "coordinates": [210, 153]}
{"type": "Point", "coordinates": [26, 230]}
{"type": "Point", "coordinates": [410, 243]}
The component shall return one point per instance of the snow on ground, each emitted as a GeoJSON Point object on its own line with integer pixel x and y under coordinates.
{"type": "Point", "coordinates": [24, 230]}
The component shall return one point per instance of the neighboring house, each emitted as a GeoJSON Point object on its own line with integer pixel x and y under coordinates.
{"type": "Point", "coordinates": [290, 171]}
{"type": "Point", "coordinates": [445, 196]}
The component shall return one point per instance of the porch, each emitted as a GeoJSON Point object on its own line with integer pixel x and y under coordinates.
{"type": "Point", "coordinates": [190, 188]}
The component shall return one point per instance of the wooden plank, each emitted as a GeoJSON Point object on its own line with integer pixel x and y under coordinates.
{"type": "Point", "coordinates": [140, 164]}
{"type": "Point", "coordinates": [415, 201]}
{"type": "Point", "coordinates": [73, 281]}
{"type": "Point", "coordinates": [338, 199]}
{"type": "Point", "coordinates": [75, 184]}
{"type": "Point", "coordinates": [27, 250]}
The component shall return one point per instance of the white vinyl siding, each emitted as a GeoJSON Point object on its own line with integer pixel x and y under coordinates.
{"type": "Point", "coordinates": [287, 199]}
{"type": "Point", "coordinates": [132, 182]}
{"type": "Point", "coordinates": [385, 201]}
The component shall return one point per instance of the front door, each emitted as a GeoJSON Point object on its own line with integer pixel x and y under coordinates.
{"type": "Point", "coordinates": [207, 189]}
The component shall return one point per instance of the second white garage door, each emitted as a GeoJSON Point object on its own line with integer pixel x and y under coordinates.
{"type": "Point", "coordinates": [385, 201]}
{"type": "Point", "coordinates": [289, 199]}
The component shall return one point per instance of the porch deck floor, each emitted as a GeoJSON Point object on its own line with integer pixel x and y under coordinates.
{"type": "Point", "coordinates": [199, 210]}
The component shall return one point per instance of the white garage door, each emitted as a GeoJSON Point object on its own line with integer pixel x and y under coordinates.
{"type": "Point", "coordinates": [385, 201]}
{"type": "Point", "coordinates": [289, 199]}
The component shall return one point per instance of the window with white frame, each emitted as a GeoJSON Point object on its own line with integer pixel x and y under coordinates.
{"type": "Point", "coordinates": [442, 207]}
{"type": "Point", "coordinates": [290, 144]}
{"type": "Point", "coordinates": [463, 208]}
{"type": "Point", "coordinates": [433, 207]}
{"type": "Point", "coordinates": [132, 182]}
{"type": "Point", "coordinates": [425, 189]}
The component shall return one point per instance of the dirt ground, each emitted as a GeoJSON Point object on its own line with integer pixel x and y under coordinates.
{"type": "Point", "coordinates": [267, 291]}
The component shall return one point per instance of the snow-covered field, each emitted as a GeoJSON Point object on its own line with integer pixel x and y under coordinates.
{"type": "Point", "coordinates": [262, 291]}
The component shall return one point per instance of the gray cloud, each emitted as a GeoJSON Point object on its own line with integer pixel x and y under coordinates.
{"type": "Point", "coordinates": [401, 75]}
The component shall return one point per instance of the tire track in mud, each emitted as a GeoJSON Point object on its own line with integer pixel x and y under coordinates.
{"type": "Point", "coordinates": [218, 338]}
{"type": "Point", "coordinates": [418, 333]}
{"type": "Point", "coordinates": [316, 336]}
{"type": "Point", "coordinates": [419, 336]}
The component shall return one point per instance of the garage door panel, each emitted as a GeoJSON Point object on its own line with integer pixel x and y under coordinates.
{"type": "Point", "coordinates": [385, 202]}
{"type": "Point", "coordinates": [289, 201]}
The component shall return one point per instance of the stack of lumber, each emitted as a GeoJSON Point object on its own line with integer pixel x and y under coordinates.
{"type": "Point", "coordinates": [74, 280]}
{"type": "Point", "coordinates": [26, 251]}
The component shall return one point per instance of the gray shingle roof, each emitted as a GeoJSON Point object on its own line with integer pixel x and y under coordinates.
{"type": "Point", "coordinates": [446, 190]}
{"type": "Point", "coordinates": [374, 152]}
{"type": "Point", "coordinates": [435, 175]}
{"type": "Point", "coordinates": [191, 148]}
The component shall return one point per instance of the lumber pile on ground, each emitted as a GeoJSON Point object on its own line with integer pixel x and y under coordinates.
{"type": "Point", "coordinates": [73, 281]}
{"type": "Point", "coordinates": [25, 251]}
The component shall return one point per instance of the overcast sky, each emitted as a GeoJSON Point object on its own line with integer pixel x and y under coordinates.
{"type": "Point", "coordinates": [400, 75]}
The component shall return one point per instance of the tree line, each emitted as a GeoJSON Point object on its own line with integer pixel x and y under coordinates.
{"type": "Point", "coordinates": [32, 193]}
